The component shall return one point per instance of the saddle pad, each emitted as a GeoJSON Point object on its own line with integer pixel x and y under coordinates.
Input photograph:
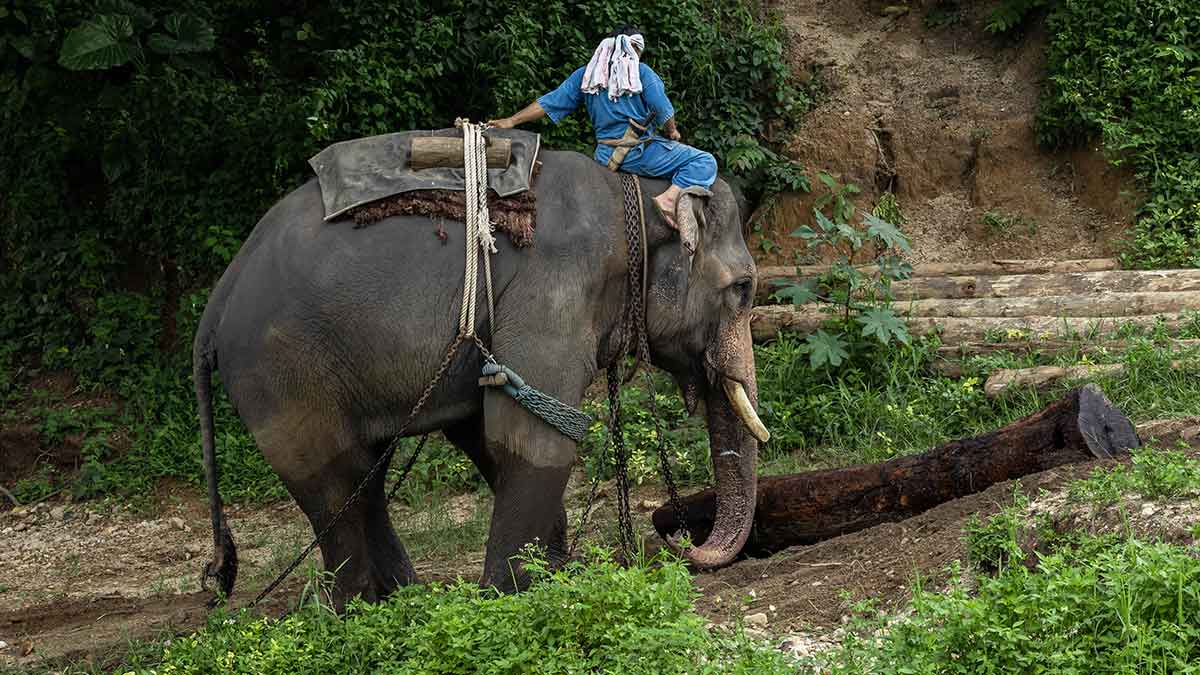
{"type": "Point", "coordinates": [355, 172]}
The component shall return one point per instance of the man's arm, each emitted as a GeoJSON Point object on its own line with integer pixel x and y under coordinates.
{"type": "Point", "coordinates": [654, 92]}
{"type": "Point", "coordinates": [530, 113]}
{"type": "Point", "coordinates": [555, 105]}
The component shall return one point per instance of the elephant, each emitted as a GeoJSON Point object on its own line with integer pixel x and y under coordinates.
{"type": "Point", "coordinates": [325, 336]}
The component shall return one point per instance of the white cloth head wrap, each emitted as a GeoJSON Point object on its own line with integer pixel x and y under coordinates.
{"type": "Point", "coordinates": [614, 66]}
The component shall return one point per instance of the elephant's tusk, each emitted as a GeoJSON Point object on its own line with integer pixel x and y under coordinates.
{"type": "Point", "coordinates": [741, 404]}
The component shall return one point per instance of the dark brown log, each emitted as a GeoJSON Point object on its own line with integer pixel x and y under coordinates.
{"type": "Point", "coordinates": [809, 507]}
{"type": "Point", "coordinates": [428, 152]}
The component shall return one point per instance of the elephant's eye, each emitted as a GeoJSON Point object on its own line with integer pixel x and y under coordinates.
{"type": "Point", "coordinates": [744, 290]}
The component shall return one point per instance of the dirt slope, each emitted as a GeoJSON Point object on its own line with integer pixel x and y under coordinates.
{"type": "Point", "coordinates": [943, 116]}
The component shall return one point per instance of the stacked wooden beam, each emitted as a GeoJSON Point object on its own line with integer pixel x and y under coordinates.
{"type": "Point", "coordinates": [1011, 299]}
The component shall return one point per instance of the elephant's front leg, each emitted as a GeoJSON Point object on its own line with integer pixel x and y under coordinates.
{"type": "Point", "coordinates": [534, 463]}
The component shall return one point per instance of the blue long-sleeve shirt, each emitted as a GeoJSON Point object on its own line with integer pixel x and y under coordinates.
{"type": "Point", "coordinates": [610, 118]}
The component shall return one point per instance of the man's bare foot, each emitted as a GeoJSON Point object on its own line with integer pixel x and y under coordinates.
{"type": "Point", "coordinates": [666, 204]}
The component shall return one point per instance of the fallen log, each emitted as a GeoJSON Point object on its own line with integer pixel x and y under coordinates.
{"type": "Point", "coordinates": [1097, 305]}
{"type": "Point", "coordinates": [1043, 377]}
{"type": "Point", "coordinates": [768, 321]}
{"type": "Point", "coordinates": [427, 152]}
{"type": "Point", "coordinates": [809, 507]}
{"type": "Point", "coordinates": [1018, 285]}
{"type": "Point", "coordinates": [967, 349]}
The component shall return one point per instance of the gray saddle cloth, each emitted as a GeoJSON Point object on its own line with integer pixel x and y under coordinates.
{"type": "Point", "coordinates": [353, 173]}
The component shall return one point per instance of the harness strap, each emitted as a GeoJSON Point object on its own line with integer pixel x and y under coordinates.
{"type": "Point", "coordinates": [631, 139]}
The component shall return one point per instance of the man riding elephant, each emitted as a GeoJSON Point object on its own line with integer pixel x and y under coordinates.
{"type": "Point", "coordinates": [326, 336]}
{"type": "Point", "coordinates": [626, 101]}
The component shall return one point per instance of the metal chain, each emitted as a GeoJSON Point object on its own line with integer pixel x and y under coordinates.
{"type": "Point", "coordinates": [383, 460]}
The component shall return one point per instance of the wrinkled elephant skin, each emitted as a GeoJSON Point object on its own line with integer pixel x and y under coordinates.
{"type": "Point", "coordinates": [325, 336]}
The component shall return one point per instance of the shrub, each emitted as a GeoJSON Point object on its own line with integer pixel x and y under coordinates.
{"type": "Point", "coordinates": [1128, 73]}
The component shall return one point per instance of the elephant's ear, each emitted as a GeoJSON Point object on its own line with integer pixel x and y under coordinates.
{"type": "Point", "coordinates": [690, 220]}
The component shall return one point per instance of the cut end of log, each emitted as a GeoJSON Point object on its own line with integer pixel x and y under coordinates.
{"type": "Point", "coordinates": [1106, 431]}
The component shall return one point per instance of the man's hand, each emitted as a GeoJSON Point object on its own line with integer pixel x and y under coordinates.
{"type": "Point", "coordinates": [502, 123]}
{"type": "Point", "coordinates": [670, 131]}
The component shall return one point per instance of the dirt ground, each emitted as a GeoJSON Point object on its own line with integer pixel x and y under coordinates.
{"type": "Point", "coordinates": [78, 581]}
{"type": "Point", "coordinates": [944, 117]}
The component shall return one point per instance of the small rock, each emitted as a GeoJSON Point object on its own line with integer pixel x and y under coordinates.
{"type": "Point", "coordinates": [894, 10]}
{"type": "Point", "coordinates": [178, 523]}
{"type": "Point", "coordinates": [20, 527]}
{"type": "Point", "coordinates": [650, 504]}
{"type": "Point", "coordinates": [58, 513]}
{"type": "Point", "coordinates": [194, 547]}
{"type": "Point", "coordinates": [757, 619]}
{"type": "Point", "coordinates": [7, 530]}
{"type": "Point", "coordinates": [817, 583]}
{"type": "Point", "coordinates": [3, 645]}
{"type": "Point", "coordinates": [1149, 510]}
{"type": "Point", "coordinates": [93, 518]}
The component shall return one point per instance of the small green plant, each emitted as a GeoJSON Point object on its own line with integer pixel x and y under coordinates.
{"type": "Point", "coordinates": [1000, 222]}
{"type": "Point", "coordinates": [1011, 14]}
{"type": "Point", "coordinates": [943, 13]}
{"type": "Point", "coordinates": [1101, 605]}
{"type": "Point", "coordinates": [857, 302]}
{"type": "Point", "coordinates": [888, 210]}
{"type": "Point", "coordinates": [1152, 474]}
{"type": "Point", "coordinates": [995, 542]}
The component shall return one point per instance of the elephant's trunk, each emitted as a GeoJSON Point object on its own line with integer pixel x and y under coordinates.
{"type": "Point", "coordinates": [732, 430]}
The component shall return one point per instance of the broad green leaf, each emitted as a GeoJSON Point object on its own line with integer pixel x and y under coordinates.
{"type": "Point", "coordinates": [889, 234]}
{"type": "Point", "coordinates": [805, 232]}
{"type": "Point", "coordinates": [825, 349]}
{"type": "Point", "coordinates": [883, 324]}
{"type": "Point", "coordinates": [142, 18]}
{"type": "Point", "coordinates": [850, 234]}
{"type": "Point", "coordinates": [189, 34]}
{"type": "Point", "coordinates": [895, 268]}
{"type": "Point", "coordinates": [23, 44]}
{"type": "Point", "coordinates": [824, 222]}
{"type": "Point", "coordinates": [827, 180]}
{"type": "Point", "coordinates": [797, 293]}
{"type": "Point", "coordinates": [104, 41]}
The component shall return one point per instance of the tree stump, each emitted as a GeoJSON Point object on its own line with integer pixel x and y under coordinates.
{"type": "Point", "coordinates": [809, 507]}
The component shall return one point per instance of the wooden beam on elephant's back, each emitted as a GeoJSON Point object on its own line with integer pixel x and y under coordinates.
{"type": "Point", "coordinates": [809, 507]}
{"type": "Point", "coordinates": [428, 152]}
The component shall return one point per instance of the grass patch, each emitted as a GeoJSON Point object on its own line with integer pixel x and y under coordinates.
{"type": "Point", "coordinates": [591, 617]}
{"type": "Point", "coordinates": [1152, 474]}
{"type": "Point", "coordinates": [1100, 605]}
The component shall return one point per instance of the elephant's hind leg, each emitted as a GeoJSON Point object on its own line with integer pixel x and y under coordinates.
{"type": "Point", "coordinates": [322, 471]}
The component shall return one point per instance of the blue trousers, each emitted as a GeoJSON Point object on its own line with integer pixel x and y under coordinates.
{"type": "Point", "coordinates": [684, 165]}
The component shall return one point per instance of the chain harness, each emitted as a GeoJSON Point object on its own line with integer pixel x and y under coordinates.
{"type": "Point", "coordinates": [567, 420]}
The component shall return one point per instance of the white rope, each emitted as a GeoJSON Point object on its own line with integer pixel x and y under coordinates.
{"type": "Point", "coordinates": [479, 238]}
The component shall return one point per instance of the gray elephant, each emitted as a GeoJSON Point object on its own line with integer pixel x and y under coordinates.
{"type": "Point", "coordinates": [325, 336]}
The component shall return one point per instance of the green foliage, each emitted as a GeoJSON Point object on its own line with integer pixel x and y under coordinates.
{"type": "Point", "coordinates": [857, 302]}
{"type": "Point", "coordinates": [591, 617]}
{"type": "Point", "coordinates": [685, 437]}
{"type": "Point", "coordinates": [1102, 606]}
{"type": "Point", "coordinates": [1128, 73]}
{"type": "Point", "coordinates": [1000, 222]}
{"type": "Point", "coordinates": [1011, 14]}
{"type": "Point", "coordinates": [943, 13]}
{"type": "Point", "coordinates": [993, 543]}
{"type": "Point", "coordinates": [1152, 474]}
{"type": "Point", "coordinates": [139, 143]}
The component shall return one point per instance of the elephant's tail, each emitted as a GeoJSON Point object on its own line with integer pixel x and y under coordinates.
{"type": "Point", "coordinates": [223, 566]}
